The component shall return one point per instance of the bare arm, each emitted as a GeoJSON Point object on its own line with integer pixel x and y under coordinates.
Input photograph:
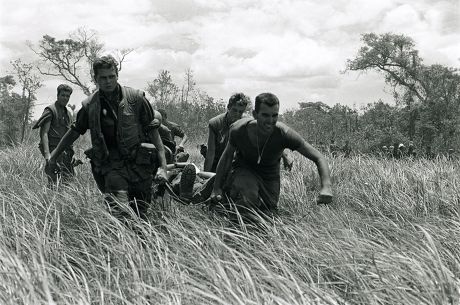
{"type": "Point", "coordinates": [67, 140]}
{"type": "Point", "coordinates": [223, 167]}
{"type": "Point", "coordinates": [162, 174]}
{"type": "Point", "coordinates": [44, 139]}
{"type": "Point", "coordinates": [156, 140]}
{"type": "Point", "coordinates": [183, 141]}
{"type": "Point", "coordinates": [287, 161]}
{"type": "Point", "coordinates": [313, 154]}
{"type": "Point", "coordinates": [211, 151]}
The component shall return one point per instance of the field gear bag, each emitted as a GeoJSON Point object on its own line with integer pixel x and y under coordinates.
{"type": "Point", "coordinates": [146, 154]}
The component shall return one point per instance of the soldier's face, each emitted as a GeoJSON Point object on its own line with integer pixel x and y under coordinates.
{"type": "Point", "coordinates": [266, 117]}
{"type": "Point", "coordinates": [63, 97]}
{"type": "Point", "coordinates": [107, 79]}
{"type": "Point", "coordinates": [236, 112]}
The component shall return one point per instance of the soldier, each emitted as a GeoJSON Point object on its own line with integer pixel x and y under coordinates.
{"type": "Point", "coordinates": [411, 151]}
{"type": "Point", "coordinates": [391, 151]}
{"type": "Point", "coordinates": [450, 154]}
{"type": "Point", "coordinates": [384, 152]}
{"type": "Point", "coordinates": [54, 123]}
{"type": "Point", "coordinates": [346, 149]}
{"type": "Point", "coordinates": [126, 146]}
{"type": "Point", "coordinates": [258, 143]}
{"type": "Point", "coordinates": [219, 127]}
{"type": "Point", "coordinates": [401, 151]}
{"type": "Point", "coordinates": [333, 148]}
{"type": "Point", "coordinates": [176, 131]}
{"type": "Point", "coordinates": [166, 138]}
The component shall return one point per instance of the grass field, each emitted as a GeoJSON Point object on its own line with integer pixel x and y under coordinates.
{"type": "Point", "coordinates": [392, 236]}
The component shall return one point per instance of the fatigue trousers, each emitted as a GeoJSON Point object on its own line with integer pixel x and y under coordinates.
{"type": "Point", "coordinates": [252, 195]}
{"type": "Point", "coordinates": [127, 188]}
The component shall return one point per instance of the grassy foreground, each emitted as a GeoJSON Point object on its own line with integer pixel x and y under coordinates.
{"type": "Point", "coordinates": [392, 236]}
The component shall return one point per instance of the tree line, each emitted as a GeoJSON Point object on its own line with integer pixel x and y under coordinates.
{"type": "Point", "coordinates": [426, 109]}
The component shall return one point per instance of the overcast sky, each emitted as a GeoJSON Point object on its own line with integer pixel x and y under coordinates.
{"type": "Point", "coordinates": [295, 49]}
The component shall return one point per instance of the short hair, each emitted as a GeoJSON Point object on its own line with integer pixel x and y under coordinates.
{"type": "Point", "coordinates": [238, 99]}
{"type": "Point", "coordinates": [64, 87]}
{"type": "Point", "coordinates": [268, 99]}
{"type": "Point", "coordinates": [163, 113]}
{"type": "Point", "coordinates": [105, 62]}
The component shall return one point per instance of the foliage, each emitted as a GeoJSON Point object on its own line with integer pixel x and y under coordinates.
{"type": "Point", "coordinates": [9, 111]}
{"type": "Point", "coordinates": [431, 94]}
{"type": "Point", "coordinates": [30, 83]}
{"type": "Point", "coordinates": [189, 106]}
{"type": "Point", "coordinates": [12, 110]}
{"type": "Point", "coordinates": [72, 58]}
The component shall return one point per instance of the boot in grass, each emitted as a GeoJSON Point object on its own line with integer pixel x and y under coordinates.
{"type": "Point", "coordinates": [187, 181]}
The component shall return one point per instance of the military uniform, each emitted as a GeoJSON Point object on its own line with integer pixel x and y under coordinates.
{"type": "Point", "coordinates": [60, 122]}
{"type": "Point", "coordinates": [122, 162]}
{"type": "Point", "coordinates": [219, 126]}
{"type": "Point", "coordinates": [168, 142]}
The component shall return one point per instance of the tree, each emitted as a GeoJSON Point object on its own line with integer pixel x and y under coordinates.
{"type": "Point", "coordinates": [189, 85]}
{"type": "Point", "coordinates": [72, 58]}
{"type": "Point", "coordinates": [30, 83]}
{"type": "Point", "coordinates": [395, 56]}
{"type": "Point", "coordinates": [10, 110]}
{"type": "Point", "coordinates": [189, 106]}
{"type": "Point", "coordinates": [429, 93]}
{"type": "Point", "coordinates": [163, 89]}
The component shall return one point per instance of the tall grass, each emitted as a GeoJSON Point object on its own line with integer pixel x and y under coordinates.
{"type": "Point", "coordinates": [392, 236]}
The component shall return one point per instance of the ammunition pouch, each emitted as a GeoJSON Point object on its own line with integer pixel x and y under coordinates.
{"type": "Point", "coordinates": [146, 154]}
{"type": "Point", "coordinates": [146, 163]}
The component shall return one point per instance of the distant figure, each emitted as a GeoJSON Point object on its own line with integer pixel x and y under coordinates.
{"type": "Point", "coordinates": [346, 149]}
{"type": "Point", "coordinates": [322, 147]}
{"type": "Point", "coordinates": [411, 151]}
{"type": "Point", "coordinates": [391, 151]}
{"type": "Point", "coordinates": [429, 153]}
{"type": "Point", "coordinates": [176, 131]}
{"type": "Point", "coordinates": [54, 123]}
{"type": "Point", "coordinates": [401, 150]}
{"type": "Point", "coordinates": [384, 152]}
{"type": "Point", "coordinates": [451, 154]}
{"type": "Point", "coordinates": [396, 151]}
{"type": "Point", "coordinates": [333, 148]}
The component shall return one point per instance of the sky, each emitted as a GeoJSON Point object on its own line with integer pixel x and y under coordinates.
{"type": "Point", "coordinates": [294, 49]}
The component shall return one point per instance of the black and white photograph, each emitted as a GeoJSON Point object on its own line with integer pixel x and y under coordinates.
{"type": "Point", "coordinates": [230, 152]}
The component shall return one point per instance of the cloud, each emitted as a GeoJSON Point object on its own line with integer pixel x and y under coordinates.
{"type": "Point", "coordinates": [240, 53]}
{"type": "Point", "coordinates": [295, 48]}
{"type": "Point", "coordinates": [182, 10]}
{"type": "Point", "coordinates": [176, 43]}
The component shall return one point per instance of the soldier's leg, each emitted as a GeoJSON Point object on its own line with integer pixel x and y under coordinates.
{"type": "Point", "coordinates": [140, 196]}
{"type": "Point", "coordinates": [269, 192]}
{"type": "Point", "coordinates": [244, 188]}
{"type": "Point", "coordinates": [51, 174]}
{"type": "Point", "coordinates": [116, 193]}
{"type": "Point", "coordinates": [67, 170]}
